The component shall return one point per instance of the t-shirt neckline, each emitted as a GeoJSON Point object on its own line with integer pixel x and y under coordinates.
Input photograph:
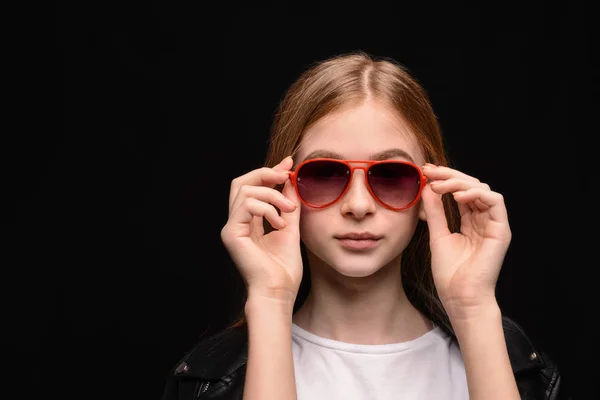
{"type": "Point", "coordinates": [420, 341]}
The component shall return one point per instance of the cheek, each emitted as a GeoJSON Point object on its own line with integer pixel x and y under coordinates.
{"type": "Point", "coordinates": [314, 232]}
{"type": "Point", "coordinates": [400, 227]}
{"type": "Point", "coordinates": [311, 222]}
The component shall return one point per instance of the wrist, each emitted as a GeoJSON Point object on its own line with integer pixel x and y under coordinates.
{"type": "Point", "coordinates": [470, 308]}
{"type": "Point", "coordinates": [275, 303]}
{"type": "Point", "coordinates": [472, 319]}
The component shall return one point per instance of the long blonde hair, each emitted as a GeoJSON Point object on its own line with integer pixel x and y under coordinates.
{"type": "Point", "coordinates": [348, 79]}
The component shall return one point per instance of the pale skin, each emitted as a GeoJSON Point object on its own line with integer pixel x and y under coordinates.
{"type": "Point", "coordinates": [348, 286]}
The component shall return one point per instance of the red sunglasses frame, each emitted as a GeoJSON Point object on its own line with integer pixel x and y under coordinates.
{"type": "Point", "coordinates": [365, 168]}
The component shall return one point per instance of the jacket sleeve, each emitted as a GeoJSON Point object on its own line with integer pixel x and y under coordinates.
{"type": "Point", "coordinates": [169, 392]}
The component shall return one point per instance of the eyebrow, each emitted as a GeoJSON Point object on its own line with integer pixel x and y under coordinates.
{"type": "Point", "coordinates": [382, 155]}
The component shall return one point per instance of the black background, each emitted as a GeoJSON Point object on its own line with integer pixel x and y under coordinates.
{"type": "Point", "coordinates": [150, 109]}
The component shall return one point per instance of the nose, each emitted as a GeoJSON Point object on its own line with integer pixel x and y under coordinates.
{"type": "Point", "coordinates": [358, 202]}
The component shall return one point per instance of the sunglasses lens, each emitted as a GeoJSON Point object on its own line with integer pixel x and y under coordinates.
{"type": "Point", "coordinates": [395, 184]}
{"type": "Point", "coordinates": [322, 182]}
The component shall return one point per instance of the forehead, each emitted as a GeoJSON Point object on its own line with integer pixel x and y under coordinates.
{"type": "Point", "coordinates": [359, 132]}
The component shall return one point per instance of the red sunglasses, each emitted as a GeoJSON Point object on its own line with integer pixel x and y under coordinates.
{"type": "Point", "coordinates": [321, 182]}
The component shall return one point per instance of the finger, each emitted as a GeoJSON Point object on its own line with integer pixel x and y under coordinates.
{"type": "Point", "coordinates": [452, 185]}
{"type": "Point", "coordinates": [264, 176]}
{"type": "Point", "coordinates": [258, 227]}
{"type": "Point", "coordinates": [434, 172]}
{"type": "Point", "coordinates": [479, 204]}
{"type": "Point", "coordinates": [476, 205]}
{"type": "Point", "coordinates": [251, 208]}
{"type": "Point", "coordinates": [464, 209]}
{"type": "Point", "coordinates": [484, 200]}
{"type": "Point", "coordinates": [291, 218]}
{"type": "Point", "coordinates": [434, 214]}
{"type": "Point", "coordinates": [449, 185]}
{"type": "Point", "coordinates": [285, 164]}
{"type": "Point", "coordinates": [264, 194]}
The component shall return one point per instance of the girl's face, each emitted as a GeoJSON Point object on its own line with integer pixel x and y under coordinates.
{"type": "Point", "coordinates": [359, 133]}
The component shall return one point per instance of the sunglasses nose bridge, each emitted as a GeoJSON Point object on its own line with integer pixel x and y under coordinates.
{"type": "Point", "coordinates": [359, 165]}
{"type": "Point", "coordinates": [355, 169]}
{"type": "Point", "coordinates": [353, 181]}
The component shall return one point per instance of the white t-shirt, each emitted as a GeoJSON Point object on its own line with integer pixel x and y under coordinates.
{"type": "Point", "coordinates": [429, 367]}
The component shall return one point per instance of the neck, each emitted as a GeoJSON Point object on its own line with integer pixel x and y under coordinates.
{"type": "Point", "coordinates": [365, 310]}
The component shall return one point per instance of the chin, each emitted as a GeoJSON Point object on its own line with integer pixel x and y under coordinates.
{"type": "Point", "coordinates": [356, 273]}
{"type": "Point", "coordinates": [356, 268]}
{"type": "Point", "coordinates": [351, 265]}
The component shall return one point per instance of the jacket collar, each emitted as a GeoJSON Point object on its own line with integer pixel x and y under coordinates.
{"type": "Point", "coordinates": [223, 353]}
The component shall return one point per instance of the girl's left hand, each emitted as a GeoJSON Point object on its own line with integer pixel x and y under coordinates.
{"type": "Point", "coordinates": [466, 264]}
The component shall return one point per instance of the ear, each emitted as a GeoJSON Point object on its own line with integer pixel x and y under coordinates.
{"type": "Point", "coordinates": [422, 215]}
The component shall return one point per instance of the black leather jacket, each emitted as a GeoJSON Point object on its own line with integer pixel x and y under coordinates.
{"type": "Point", "coordinates": [215, 368]}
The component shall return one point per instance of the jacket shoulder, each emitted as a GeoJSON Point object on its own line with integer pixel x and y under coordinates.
{"type": "Point", "coordinates": [217, 355]}
{"type": "Point", "coordinates": [214, 367]}
{"type": "Point", "coordinates": [536, 373]}
{"type": "Point", "coordinates": [521, 350]}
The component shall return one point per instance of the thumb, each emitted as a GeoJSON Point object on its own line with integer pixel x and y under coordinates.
{"type": "Point", "coordinates": [434, 214]}
{"type": "Point", "coordinates": [292, 219]}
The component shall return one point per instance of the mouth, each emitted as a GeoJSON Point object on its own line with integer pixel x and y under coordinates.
{"type": "Point", "coordinates": [359, 236]}
{"type": "Point", "coordinates": [359, 241]}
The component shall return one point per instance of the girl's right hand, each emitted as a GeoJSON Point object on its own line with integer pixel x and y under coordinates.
{"type": "Point", "coordinates": [270, 264]}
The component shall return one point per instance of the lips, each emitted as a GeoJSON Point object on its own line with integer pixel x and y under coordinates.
{"type": "Point", "coordinates": [359, 244]}
{"type": "Point", "coordinates": [359, 236]}
{"type": "Point", "coordinates": [359, 241]}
